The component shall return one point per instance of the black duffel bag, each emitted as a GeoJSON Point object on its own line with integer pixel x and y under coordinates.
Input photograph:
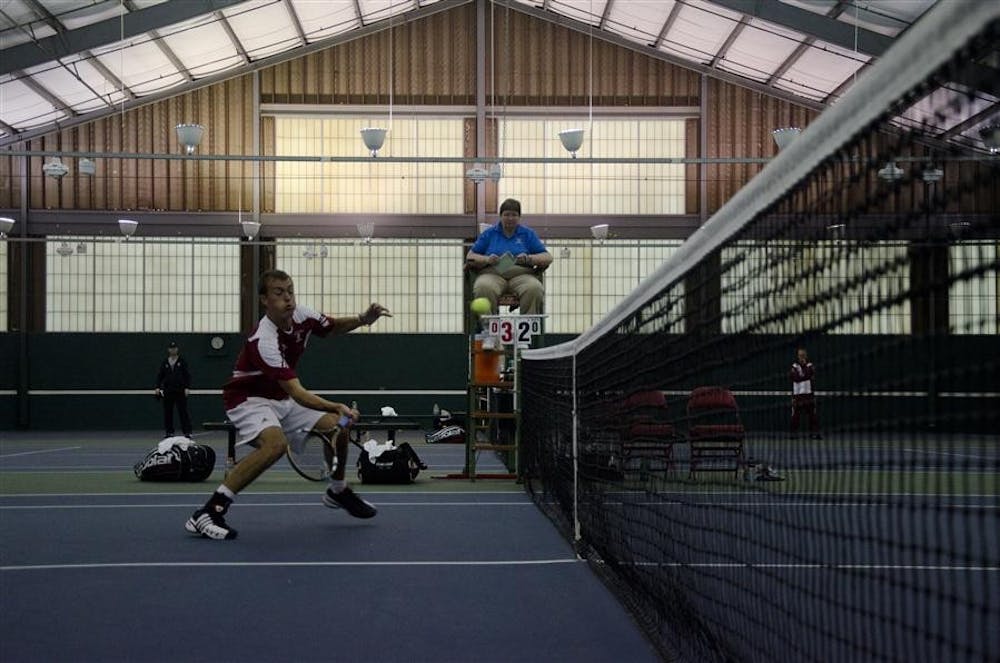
{"type": "Point", "coordinates": [399, 465]}
{"type": "Point", "coordinates": [181, 462]}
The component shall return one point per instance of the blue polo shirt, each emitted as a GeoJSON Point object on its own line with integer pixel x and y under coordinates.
{"type": "Point", "coordinates": [493, 241]}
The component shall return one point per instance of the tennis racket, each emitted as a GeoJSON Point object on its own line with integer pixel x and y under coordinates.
{"type": "Point", "coordinates": [316, 458]}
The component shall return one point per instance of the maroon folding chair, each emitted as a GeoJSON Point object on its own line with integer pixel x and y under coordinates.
{"type": "Point", "coordinates": [715, 432]}
{"type": "Point", "coordinates": [647, 434]}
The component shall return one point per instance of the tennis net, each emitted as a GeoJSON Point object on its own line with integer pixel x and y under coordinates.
{"type": "Point", "coordinates": [661, 441]}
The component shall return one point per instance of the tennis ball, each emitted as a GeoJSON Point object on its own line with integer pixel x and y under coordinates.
{"type": "Point", "coordinates": [480, 306]}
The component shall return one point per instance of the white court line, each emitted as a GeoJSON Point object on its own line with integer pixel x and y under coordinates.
{"type": "Point", "coordinates": [821, 566]}
{"type": "Point", "coordinates": [274, 492]}
{"type": "Point", "coordinates": [795, 504]}
{"type": "Point", "coordinates": [819, 493]}
{"type": "Point", "coordinates": [948, 453]}
{"type": "Point", "coordinates": [376, 491]}
{"type": "Point", "coordinates": [27, 507]}
{"type": "Point", "coordinates": [40, 451]}
{"type": "Point", "coordinates": [74, 469]}
{"type": "Point", "coordinates": [809, 494]}
{"type": "Point", "coordinates": [144, 565]}
{"type": "Point", "coordinates": [708, 503]}
{"type": "Point", "coordinates": [523, 562]}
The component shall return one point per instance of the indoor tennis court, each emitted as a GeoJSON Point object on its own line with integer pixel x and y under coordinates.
{"type": "Point", "coordinates": [688, 313]}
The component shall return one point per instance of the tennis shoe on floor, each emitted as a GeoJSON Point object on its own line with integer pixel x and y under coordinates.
{"type": "Point", "coordinates": [210, 525]}
{"type": "Point", "coordinates": [768, 474]}
{"type": "Point", "coordinates": [350, 501]}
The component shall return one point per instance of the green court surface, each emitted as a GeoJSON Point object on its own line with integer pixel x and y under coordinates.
{"type": "Point", "coordinates": [53, 463]}
{"type": "Point", "coordinates": [62, 462]}
{"type": "Point", "coordinates": [12, 483]}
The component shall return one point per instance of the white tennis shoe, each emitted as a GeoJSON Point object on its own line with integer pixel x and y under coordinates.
{"type": "Point", "coordinates": [210, 525]}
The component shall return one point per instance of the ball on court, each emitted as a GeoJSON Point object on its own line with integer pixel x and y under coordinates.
{"type": "Point", "coordinates": [480, 306]}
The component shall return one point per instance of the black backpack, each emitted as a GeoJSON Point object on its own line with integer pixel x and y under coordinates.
{"type": "Point", "coordinates": [190, 462]}
{"type": "Point", "coordinates": [399, 465]}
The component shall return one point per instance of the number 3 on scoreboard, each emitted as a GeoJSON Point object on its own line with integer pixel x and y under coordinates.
{"type": "Point", "coordinates": [516, 330]}
{"type": "Point", "coordinates": [506, 332]}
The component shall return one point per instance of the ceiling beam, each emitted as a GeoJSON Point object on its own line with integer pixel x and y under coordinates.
{"type": "Point", "coordinates": [800, 50]}
{"type": "Point", "coordinates": [109, 76]}
{"type": "Point", "coordinates": [162, 45]}
{"type": "Point", "coordinates": [669, 23]}
{"type": "Point", "coordinates": [234, 40]}
{"type": "Point", "coordinates": [971, 122]}
{"type": "Point", "coordinates": [296, 23]}
{"type": "Point", "coordinates": [844, 35]}
{"type": "Point", "coordinates": [624, 42]}
{"type": "Point", "coordinates": [109, 31]}
{"type": "Point", "coordinates": [605, 15]}
{"type": "Point", "coordinates": [726, 45]}
{"type": "Point", "coordinates": [839, 91]}
{"type": "Point", "coordinates": [25, 79]}
{"type": "Point", "coordinates": [257, 65]}
{"type": "Point", "coordinates": [59, 29]}
{"type": "Point", "coordinates": [818, 26]}
{"type": "Point", "coordinates": [45, 15]}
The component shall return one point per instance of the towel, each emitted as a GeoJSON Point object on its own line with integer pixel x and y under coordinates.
{"type": "Point", "coordinates": [167, 443]}
{"type": "Point", "coordinates": [375, 449]}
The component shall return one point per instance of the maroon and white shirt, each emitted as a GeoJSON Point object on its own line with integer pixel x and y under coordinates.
{"type": "Point", "coordinates": [271, 354]}
{"type": "Point", "coordinates": [802, 376]}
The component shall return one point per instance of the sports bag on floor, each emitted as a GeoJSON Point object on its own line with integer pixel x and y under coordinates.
{"type": "Point", "coordinates": [399, 465]}
{"type": "Point", "coordinates": [179, 461]}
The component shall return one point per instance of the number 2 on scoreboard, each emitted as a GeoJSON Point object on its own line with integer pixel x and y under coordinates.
{"type": "Point", "coordinates": [524, 331]}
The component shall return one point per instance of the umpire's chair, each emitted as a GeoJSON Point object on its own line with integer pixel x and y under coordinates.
{"type": "Point", "coordinates": [509, 300]}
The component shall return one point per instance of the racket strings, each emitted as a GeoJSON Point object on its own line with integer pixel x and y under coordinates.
{"type": "Point", "coordinates": [313, 458]}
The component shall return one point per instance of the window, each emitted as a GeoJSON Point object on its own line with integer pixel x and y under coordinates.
{"type": "Point", "coordinates": [4, 287]}
{"type": "Point", "coordinates": [791, 287]}
{"type": "Point", "coordinates": [600, 188]}
{"type": "Point", "coordinates": [588, 279]}
{"type": "Point", "coordinates": [374, 186]}
{"type": "Point", "coordinates": [972, 298]}
{"type": "Point", "coordinates": [420, 281]}
{"type": "Point", "coordinates": [142, 285]}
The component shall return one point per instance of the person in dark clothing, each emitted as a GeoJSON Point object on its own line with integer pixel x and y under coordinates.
{"type": "Point", "coordinates": [172, 384]}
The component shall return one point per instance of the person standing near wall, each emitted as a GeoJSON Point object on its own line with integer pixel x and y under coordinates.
{"type": "Point", "coordinates": [803, 398]}
{"type": "Point", "coordinates": [172, 384]}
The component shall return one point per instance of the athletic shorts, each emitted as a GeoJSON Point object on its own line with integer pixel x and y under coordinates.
{"type": "Point", "coordinates": [255, 414]}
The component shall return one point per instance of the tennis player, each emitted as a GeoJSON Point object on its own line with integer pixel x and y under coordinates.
{"type": "Point", "coordinates": [271, 409]}
{"type": "Point", "coordinates": [803, 399]}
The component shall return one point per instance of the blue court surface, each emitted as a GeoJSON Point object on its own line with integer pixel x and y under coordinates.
{"type": "Point", "coordinates": [97, 566]}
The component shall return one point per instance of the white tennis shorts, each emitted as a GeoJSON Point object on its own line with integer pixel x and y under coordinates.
{"type": "Point", "coordinates": [255, 414]}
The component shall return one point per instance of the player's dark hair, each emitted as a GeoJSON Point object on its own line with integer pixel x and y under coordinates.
{"type": "Point", "coordinates": [268, 276]}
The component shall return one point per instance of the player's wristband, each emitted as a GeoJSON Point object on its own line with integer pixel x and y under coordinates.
{"type": "Point", "coordinates": [344, 421]}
